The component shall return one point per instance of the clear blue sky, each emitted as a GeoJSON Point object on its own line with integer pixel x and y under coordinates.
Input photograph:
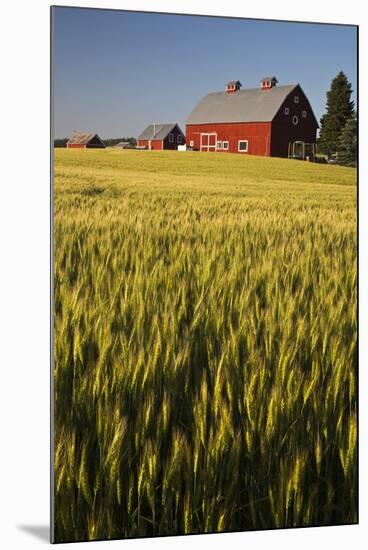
{"type": "Point", "coordinates": [116, 72]}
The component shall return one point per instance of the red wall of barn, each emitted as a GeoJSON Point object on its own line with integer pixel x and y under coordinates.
{"type": "Point", "coordinates": [76, 146]}
{"type": "Point", "coordinates": [257, 133]}
{"type": "Point", "coordinates": [156, 144]}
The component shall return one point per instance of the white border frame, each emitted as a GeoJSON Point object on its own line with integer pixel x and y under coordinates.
{"type": "Point", "coordinates": [25, 223]}
{"type": "Point", "coordinates": [243, 141]}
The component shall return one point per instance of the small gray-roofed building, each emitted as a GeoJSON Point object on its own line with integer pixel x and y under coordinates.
{"type": "Point", "coordinates": [82, 140]}
{"type": "Point", "coordinates": [122, 145]}
{"type": "Point", "coordinates": [161, 136]}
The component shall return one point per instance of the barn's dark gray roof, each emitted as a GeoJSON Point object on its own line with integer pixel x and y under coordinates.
{"type": "Point", "coordinates": [248, 105]}
{"type": "Point", "coordinates": [81, 138]}
{"type": "Point", "coordinates": [157, 131]}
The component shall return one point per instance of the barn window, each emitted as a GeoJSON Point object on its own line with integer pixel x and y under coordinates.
{"type": "Point", "coordinates": [304, 114]}
{"type": "Point", "coordinates": [225, 145]}
{"type": "Point", "coordinates": [295, 120]}
{"type": "Point", "coordinates": [179, 138]}
{"type": "Point", "coordinates": [171, 138]}
{"type": "Point", "coordinates": [243, 145]}
{"type": "Point", "coordinates": [296, 99]}
{"type": "Point", "coordinates": [286, 110]}
{"type": "Point", "coordinates": [219, 145]}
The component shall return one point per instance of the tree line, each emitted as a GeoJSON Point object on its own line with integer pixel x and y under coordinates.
{"type": "Point", "coordinates": [339, 125]}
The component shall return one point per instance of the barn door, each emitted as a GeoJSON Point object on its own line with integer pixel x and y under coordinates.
{"type": "Point", "coordinates": [208, 142]}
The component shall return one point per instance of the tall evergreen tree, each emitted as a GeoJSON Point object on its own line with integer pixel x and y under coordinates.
{"type": "Point", "coordinates": [347, 146]}
{"type": "Point", "coordinates": [339, 110]}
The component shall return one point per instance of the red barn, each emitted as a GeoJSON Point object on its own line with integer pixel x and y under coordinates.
{"type": "Point", "coordinates": [255, 121]}
{"type": "Point", "coordinates": [85, 141]}
{"type": "Point", "coordinates": [161, 136]}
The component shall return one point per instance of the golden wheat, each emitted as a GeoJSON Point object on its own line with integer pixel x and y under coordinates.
{"type": "Point", "coordinates": [205, 344]}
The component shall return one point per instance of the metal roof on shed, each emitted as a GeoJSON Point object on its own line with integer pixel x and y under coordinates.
{"type": "Point", "coordinates": [157, 131]}
{"type": "Point", "coordinates": [248, 105]}
{"type": "Point", "coordinates": [82, 138]}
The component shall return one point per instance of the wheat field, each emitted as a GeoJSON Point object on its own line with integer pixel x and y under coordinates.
{"type": "Point", "coordinates": [205, 344]}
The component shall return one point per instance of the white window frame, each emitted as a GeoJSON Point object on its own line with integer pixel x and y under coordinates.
{"type": "Point", "coordinates": [295, 120]}
{"type": "Point", "coordinates": [286, 110]}
{"type": "Point", "coordinates": [218, 145]}
{"type": "Point", "coordinates": [304, 114]}
{"type": "Point", "coordinates": [296, 99]}
{"type": "Point", "coordinates": [243, 141]}
{"type": "Point", "coordinates": [180, 138]}
{"type": "Point", "coordinates": [223, 146]}
{"type": "Point", "coordinates": [208, 147]}
{"type": "Point", "coordinates": [171, 137]}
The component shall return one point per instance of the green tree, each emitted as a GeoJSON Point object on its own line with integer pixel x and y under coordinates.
{"type": "Point", "coordinates": [339, 110]}
{"type": "Point", "coordinates": [347, 146]}
{"type": "Point", "coordinates": [60, 142]}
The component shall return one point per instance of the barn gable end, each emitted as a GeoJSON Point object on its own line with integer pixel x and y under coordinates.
{"type": "Point", "coordinates": [294, 121]}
